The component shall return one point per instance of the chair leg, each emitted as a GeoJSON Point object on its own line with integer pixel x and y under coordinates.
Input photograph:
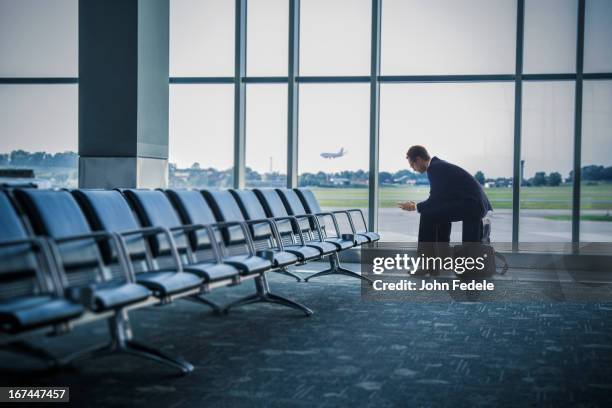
{"type": "Point", "coordinates": [241, 302]}
{"type": "Point", "coordinates": [95, 351]}
{"type": "Point", "coordinates": [121, 342]}
{"type": "Point", "coordinates": [337, 269]}
{"type": "Point", "coordinates": [273, 298]}
{"type": "Point", "coordinates": [322, 273]}
{"type": "Point", "coordinates": [140, 350]}
{"type": "Point", "coordinates": [202, 300]}
{"type": "Point", "coordinates": [263, 294]}
{"type": "Point", "coordinates": [347, 272]}
{"type": "Point", "coordinates": [30, 350]}
{"type": "Point", "coordinates": [285, 271]}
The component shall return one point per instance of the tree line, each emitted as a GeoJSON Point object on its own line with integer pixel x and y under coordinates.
{"type": "Point", "coordinates": [22, 158]}
{"type": "Point", "coordinates": [351, 178]}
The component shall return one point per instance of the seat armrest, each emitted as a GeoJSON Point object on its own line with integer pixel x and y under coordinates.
{"type": "Point", "coordinates": [153, 231]}
{"type": "Point", "coordinates": [209, 232]}
{"type": "Point", "coordinates": [348, 217]}
{"type": "Point", "coordinates": [335, 222]}
{"type": "Point", "coordinates": [348, 237]}
{"type": "Point", "coordinates": [273, 228]}
{"type": "Point", "coordinates": [245, 230]}
{"type": "Point", "coordinates": [295, 224]}
{"type": "Point", "coordinates": [83, 295]}
{"type": "Point", "coordinates": [44, 262]}
{"type": "Point", "coordinates": [316, 222]}
{"type": "Point", "coordinates": [266, 254]}
{"type": "Point", "coordinates": [54, 245]}
{"type": "Point", "coordinates": [363, 220]}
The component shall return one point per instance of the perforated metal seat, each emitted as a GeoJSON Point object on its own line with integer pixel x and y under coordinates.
{"type": "Point", "coordinates": [211, 272]}
{"type": "Point", "coordinates": [29, 312]}
{"type": "Point", "coordinates": [104, 296]}
{"type": "Point", "coordinates": [294, 207]}
{"type": "Point", "coordinates": [98, 285]}
{"type": "Point", "coordinates": [253, 210]}
{"type": "Point", "coordinates": [108, 211]}
{"type": "Point", "coordinates": [311, 204]}
{"type": "Point", "coordinates": [274, 208]}
{"type": "Point", "coordinates": [194, 209]}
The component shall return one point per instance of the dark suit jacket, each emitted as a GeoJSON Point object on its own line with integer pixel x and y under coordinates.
{"type": "Point", "coordinates": [453, 190]}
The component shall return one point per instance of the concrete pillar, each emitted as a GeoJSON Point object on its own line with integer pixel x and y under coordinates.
{"type": "Point", "coordinates": [123, 93]}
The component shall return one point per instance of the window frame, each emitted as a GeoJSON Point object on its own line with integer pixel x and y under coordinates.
{"type": "Point", "coordinates": [240, 79]}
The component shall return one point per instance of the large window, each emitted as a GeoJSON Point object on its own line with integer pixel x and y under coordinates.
{"type": "Point", "coordinates": [39, 128]}
{"type": "Point", "coordinates": [201, 135]}
{"type": "Point", "coordinates": [550, 36]}
{"type": "Point", "coordinates": [333, 140]}
{"type": "Point", "coordinates": [466, 124]}
{"type": "Point", "coordinates": [266, 136]}
{"type": "Point", "coordinates": [596, 188]}
{"type": "Point", "coordinates": [598, 36]}
{"type": "Point", "coordinates": [39, 121]}
{"type": "Point", "coordinates": [335, 37]}
{"type": "Point", "coordinates": [448, 75]}
{"type": "Point", "coordinates": [267, 30]}
{"type": "Point", "coordinates": [202, 38]}
{"type": "Point", "coordinates": [547, 159]}
{"type": "Point", "coordinates": [430, 37]}
{"type": "Point", "coordinates": [39, 38]}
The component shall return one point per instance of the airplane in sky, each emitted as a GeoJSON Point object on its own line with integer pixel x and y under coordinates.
{"type": "Point", "coordinates": [340, 153]}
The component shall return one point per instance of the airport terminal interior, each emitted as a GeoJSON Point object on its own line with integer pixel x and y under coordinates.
{"type": "Point", "coordinates": [193, 194]}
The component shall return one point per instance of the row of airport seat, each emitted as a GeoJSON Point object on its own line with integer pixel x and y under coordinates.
{"type": "Point", "coordinates": [72, 257]}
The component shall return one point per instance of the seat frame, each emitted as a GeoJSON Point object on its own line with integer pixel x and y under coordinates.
{"type": "Point", "coordinates": [46, 275]}
{"type": "Point", "coordinates": [276, 235]}
{"type": "Point", "coordinates": [195, 295]}
{"type": "Point", "coordinates": [262, 288]}
{"type": "Point", "coordinates": [120, 331]}
{"type": "Point", "coordinates": [335, 267]}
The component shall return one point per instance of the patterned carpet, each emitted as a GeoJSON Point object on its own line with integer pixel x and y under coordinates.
{"type": "Point", "coordinates": [351, 352]}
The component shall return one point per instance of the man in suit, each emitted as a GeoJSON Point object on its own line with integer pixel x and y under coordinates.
{"type": "Point", "coordinates": [455, 195]}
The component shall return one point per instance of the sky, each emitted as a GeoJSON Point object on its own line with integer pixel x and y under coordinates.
{"type": "Point", "coordinates": [468, 124]}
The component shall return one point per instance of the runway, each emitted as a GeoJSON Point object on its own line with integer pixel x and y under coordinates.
{"type": "Point", "coordinates": [397, 225]}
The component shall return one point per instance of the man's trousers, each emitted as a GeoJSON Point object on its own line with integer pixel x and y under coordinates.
{"type": "Point", "coordinates": [437, 227]}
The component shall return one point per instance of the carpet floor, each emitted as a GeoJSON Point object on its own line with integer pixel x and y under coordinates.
{"type": "Point", "coordinates": [351, 352]}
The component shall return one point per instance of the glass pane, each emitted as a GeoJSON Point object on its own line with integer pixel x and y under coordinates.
{"type": "Point", "coordinates": [266, 136]}
{"type": "Point", "coordinates": [431, 37]}
{"type": "Point", "coordinates": [201, 135]}
{"type": "Point", "coordinates": [267, 37]}
{"type": "Point", "coordinates": [39, 128]}
{"type": "Point", "coordinates": [596, 188]}
{"type": "Point", "coordinates": [334, 143]}
{"type": "Point", "coordinates": [469, 124]}
{"type": "Point", "coordinates": [550, 36]}
{"type": "Point", "coordinates": [428, 37]}
{"type": "Point", "coordinates": [598, 36]}
{"type": "Point", "coordinates": [547, 154]}
{"type": "Point", "coordinates": [39, 38]}
{"type": "Point", "coordinates": [202, 37]}
{"type": "Point", "coordinates": [335, 37]}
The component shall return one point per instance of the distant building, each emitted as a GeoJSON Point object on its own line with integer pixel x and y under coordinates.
{"type": "Point", "coordinates": [339, 181]}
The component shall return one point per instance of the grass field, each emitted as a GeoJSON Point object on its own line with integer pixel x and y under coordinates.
{"type": "Point", "coordinates": [594, 197]}
{"type": "Point", "coordinates": [589, 217]}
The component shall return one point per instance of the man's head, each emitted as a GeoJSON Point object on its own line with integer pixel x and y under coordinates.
{"type": "Point", "coordinates": [418, 158]}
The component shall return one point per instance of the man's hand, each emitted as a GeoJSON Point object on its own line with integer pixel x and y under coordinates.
{"type": "Point", "coordinates": [407, 206]}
